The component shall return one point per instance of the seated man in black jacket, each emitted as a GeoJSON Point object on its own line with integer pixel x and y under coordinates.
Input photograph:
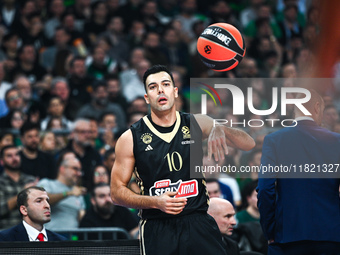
{"type": "Point", "coordinates": [224, 214]}
{"type": "Point", "coordinates": [104, 213]}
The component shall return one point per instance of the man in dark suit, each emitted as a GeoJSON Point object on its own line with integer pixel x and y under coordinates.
{"type": "Point", "coordinates": [224, 214]}
{"type": "Point", "coordinates": [301, 215]}
{"type": "Point", "coordinates": [35, 210]}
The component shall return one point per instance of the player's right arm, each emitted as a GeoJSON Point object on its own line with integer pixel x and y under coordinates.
{"type": "Point", "coordinates": [121, 174]}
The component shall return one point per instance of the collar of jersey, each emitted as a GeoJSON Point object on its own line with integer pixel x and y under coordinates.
{"type": "Point", "coordinates": [167, 137]}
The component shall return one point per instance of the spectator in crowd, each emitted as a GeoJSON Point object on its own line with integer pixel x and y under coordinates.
{"type": "Point", "coordinates": [79, 81]}
{"type": "Point", "coordinates": [100, 175]}
{"type": "Point", "coordinates": [61, 42]}
{"type": "Point", "coordinates": [12, 181]}
{"type": "Point", "coordinates": [56, 10]}
{"type": "Point", "coordinates": [99, 64]}
{"type": "Point", "coordinates": [114, 90]}
{"type": "Point", "coordinates": [33, 204]}
{"type": "Point", "coordinates": [187, 17]}
{"type": "Point", "coordinates": [27, 64]}
{"type": "Point", "coordinates": [80, 144]}
{"type": "Point", "coordinates": [82, 11]}
{"type": "Point", "coordinates": [135, 88]}
{"type": "Point", "coordinates": [4, 86]}
{"type": "Point", "coordinates": [10, 14]}
{"type": "Point", "coordinates": [149, 17]}
{"type": "Point", "coordinates": [136, 34]}
{"type": "Point", "coordinates": [134, 117]}
{"type": "Point", "coordinates": [61, 89]}
{"type": "Point", "coordinates": [100, 104]}
{"type": "Point", "coordinates": [48, 142]}
{"type": "Point", "coordinates": [109, 159]}
{"type": "Point", "coordinates": [9, 52]}
{"type": "Point", "coordinates": [138, 105]}
{"type": "Point", "coordinates": [66, 196]}
{"type": "Point", "coordinates": [16, 118]}
{"type": "Point", "coordinates": [14, 101]}
{"type": "Point", "coordinates": [330, 117]}
{"type": "Point", "coordinates": [176, 51]}
{"type": "Point", "coordinates": [290, 25]}
{"type": "Point", "coordinates": [224, 214]}
{"type": "Point", "coordinates": [34, 161]}
{"type": "Point", "coordinates": [251, 212]}
{"type": "Point", "coordinates": [21, 25]}
{"type": "Point", "coordinates": [152, 46]}
{"type": "Point", "coordinates": [97, 22]}
{"type": "Point", "coordinates": [24, 86]}
{"type": "Point", "coordinates": [119, 49]}
{"type": "Point", "coordinates": [6, 139]}
{"type": "Point", "coordinates": [56, 110]}
{"type": "Point", "coordinates": [104, 213]}
{"type": "Point", "coordinates": [214, 190]}
{"type": "Point", "coordinates": [34, 34]}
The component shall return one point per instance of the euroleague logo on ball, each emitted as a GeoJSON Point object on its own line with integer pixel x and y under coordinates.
{"type": "Point", "coordinates": [221, 47]}
{"type": "Point", "coordinates": [207, 49]}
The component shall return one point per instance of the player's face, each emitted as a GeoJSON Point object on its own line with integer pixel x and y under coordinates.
{"type": "Point", "coordinates": [160, 92]}
{"type": "Point", "coordinates": [38, 207]}
{"type": "Point", "coordinates": [225, 219]}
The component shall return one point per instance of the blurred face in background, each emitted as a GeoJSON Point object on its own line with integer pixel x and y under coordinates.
{"type": "Point", "coordinates": [48, 142]}
{"type": "Point", "coordinates": [82, 133]}
{"type": "Point", "coordinates": [61, 90]}
{"type": "Point", "coordinates": [14, 100]}
{"type": "Point", "coordinates": [30, 140]}
{"type": "Point", "coordinates": [56, 107]}
{"type": "Point", "coordinates": [100, 175]}
{"type": "Point", "coordinates": [24, 87]}
{"type": "Point", "coordinates": [7, 139]}
{"type": "Point", "coordinates": [18, 119]}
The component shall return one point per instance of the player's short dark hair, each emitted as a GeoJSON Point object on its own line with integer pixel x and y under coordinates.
{"type": "Point", "coordinates": [156, 69]}
{"type": "Point", "coordinates": [23, 196]}
{"type": "Point", "coordinates": [28, 126]}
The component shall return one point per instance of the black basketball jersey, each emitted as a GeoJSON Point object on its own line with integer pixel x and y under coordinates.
{"type": "Point", "coordinates": [163, 163]}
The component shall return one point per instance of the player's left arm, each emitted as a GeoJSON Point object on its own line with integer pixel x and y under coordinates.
{"type": "Point", "coordinates": [221, 136]}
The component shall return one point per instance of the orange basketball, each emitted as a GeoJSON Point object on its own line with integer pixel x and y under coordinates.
{"type": "Point", "coordinates": [221, 47]}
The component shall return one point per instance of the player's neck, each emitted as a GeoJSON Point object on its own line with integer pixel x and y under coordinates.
{"type": "Point", "coordinates": [164, 118]}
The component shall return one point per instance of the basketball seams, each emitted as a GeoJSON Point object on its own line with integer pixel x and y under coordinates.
{"type": "Point", "coordinates": [220, 45]}
{"type": "Point", "coordinates": [222, 27]}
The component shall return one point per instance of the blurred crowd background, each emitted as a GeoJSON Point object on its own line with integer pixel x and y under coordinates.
{"type": "Point", "coordinates": [71, 75]}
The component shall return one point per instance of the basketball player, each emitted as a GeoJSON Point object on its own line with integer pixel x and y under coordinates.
{"type": "Point", "coordinates": [173, 205]}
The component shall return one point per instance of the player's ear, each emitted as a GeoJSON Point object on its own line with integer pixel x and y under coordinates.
{"type": "Point", "coordinates": [176, 92]}
{"type": "Point", "coordinates": [146, 98]}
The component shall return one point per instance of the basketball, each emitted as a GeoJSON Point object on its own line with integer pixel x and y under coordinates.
{"type": "Point", "coordinates": [221, 47]}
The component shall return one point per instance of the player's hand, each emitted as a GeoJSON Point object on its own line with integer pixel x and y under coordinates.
{"type": "Point", "coordinates": [171, 205]}
{"type": "Point", "coordinates": [217, 144]}
{"type": "Point", "coordinates": [77, 191]}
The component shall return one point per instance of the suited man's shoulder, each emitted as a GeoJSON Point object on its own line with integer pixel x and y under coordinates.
{"type": "Point", "coordinates": [11, 233]}
{"type": "Point", "coordinates": [52, 236]}
{"type": "Point", "coordinates": [18, 233]}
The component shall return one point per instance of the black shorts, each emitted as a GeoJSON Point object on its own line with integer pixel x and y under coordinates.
{"type": "Point", "coordinates": [190, 234]}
